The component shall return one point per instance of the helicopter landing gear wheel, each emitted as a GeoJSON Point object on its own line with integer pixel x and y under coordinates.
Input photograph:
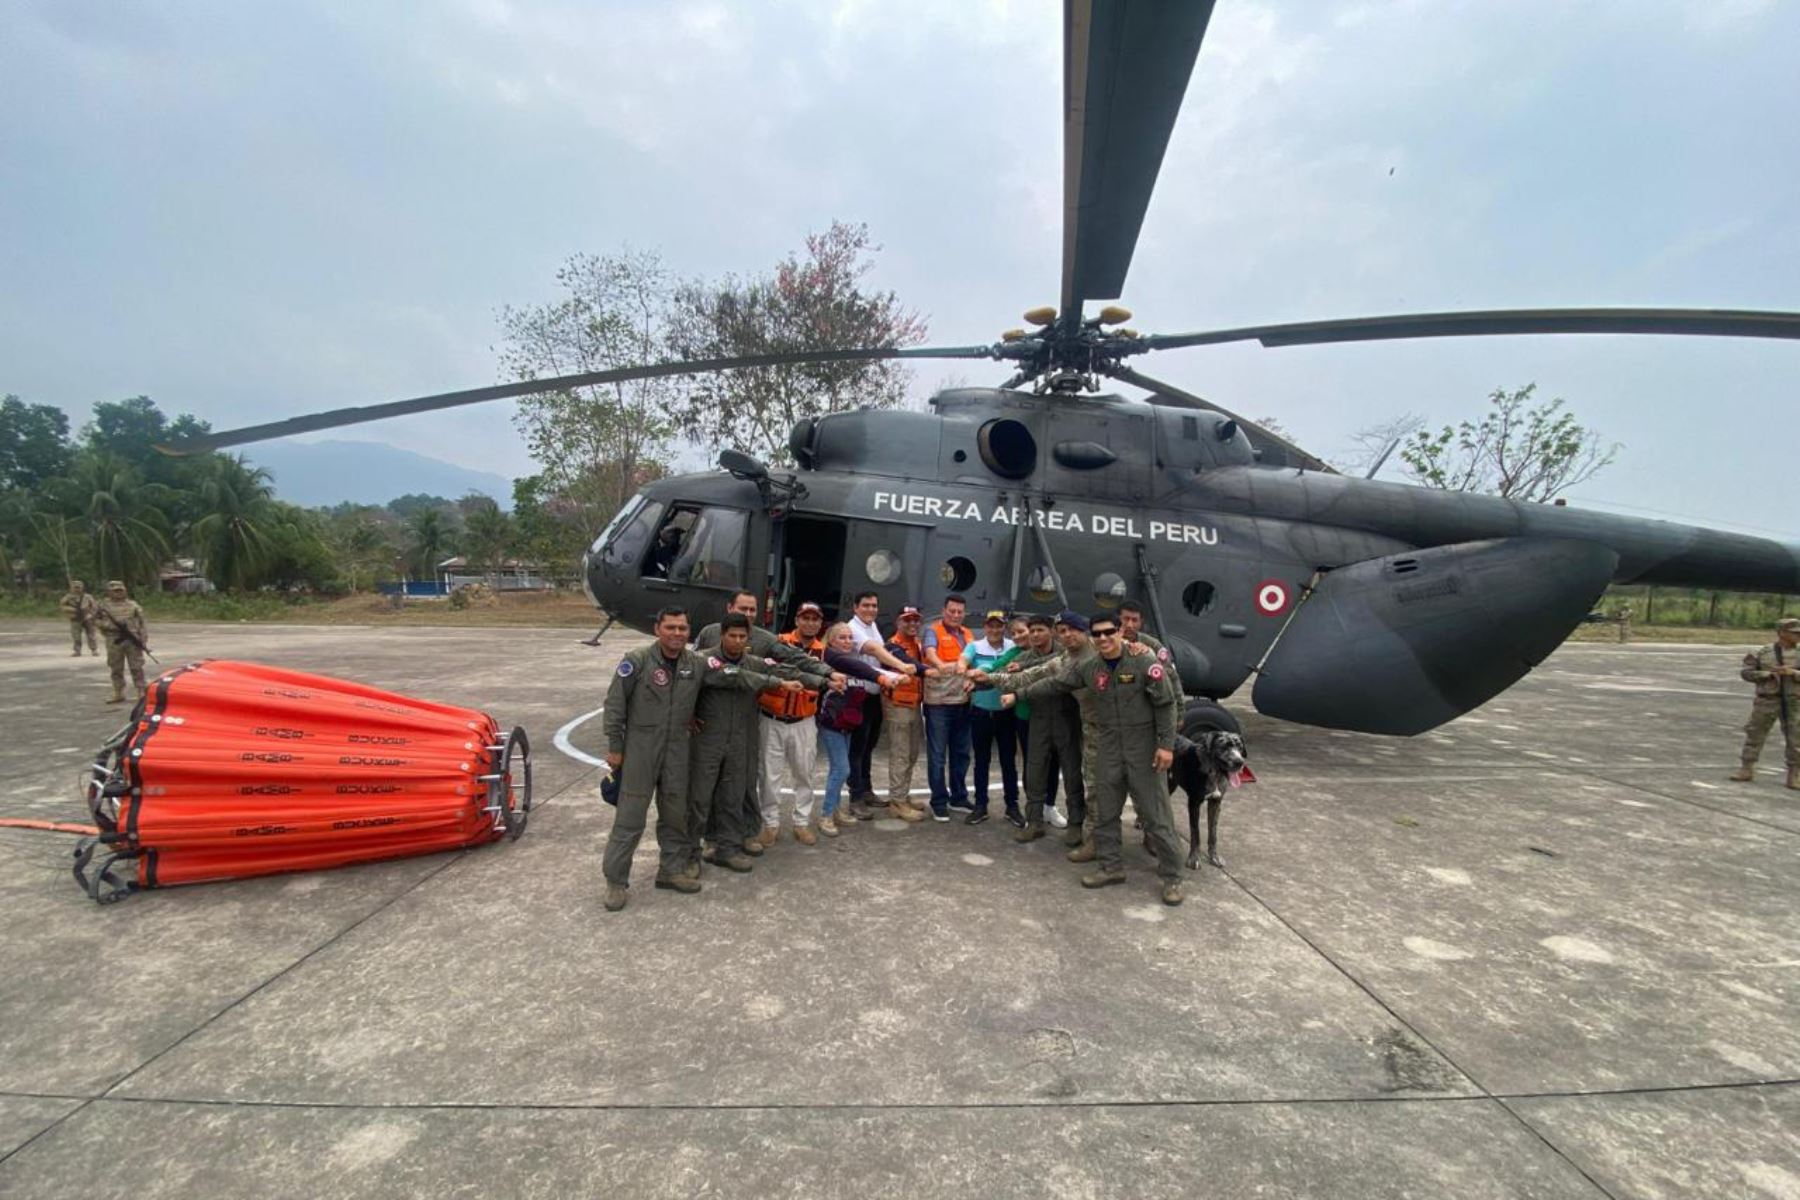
{"type": "Point", "coordinates": [509, 787]}
{"type": "Point", "coordinates": [1205, 716]}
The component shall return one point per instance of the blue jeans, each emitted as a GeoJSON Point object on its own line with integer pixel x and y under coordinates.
{"type": "Point", "coordinates": [947, 738]}
{"type": "Point", "coordinates": [988, 729]}
{"type": "Point", "coordinates": [837, 757]}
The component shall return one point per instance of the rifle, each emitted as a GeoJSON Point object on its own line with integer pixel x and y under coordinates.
{"type": "Point", "coordinates": [125, 634]}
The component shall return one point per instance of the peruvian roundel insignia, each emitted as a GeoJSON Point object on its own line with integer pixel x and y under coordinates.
{"type": "Point", "coordinates": [1162, 655]}
{"type": "Point", "coordinates": [1100, 681]}
{"type": "Point", "coordinates": [625, 668]}
{"type": "Point", "coordinates": [660, 677]}
{"type": "Point", "coordinates": [1155, 672]}
{"type": "Point", "coordinates": [1271, 597]}
{"type": "Point", "coordinates": [714, 663]}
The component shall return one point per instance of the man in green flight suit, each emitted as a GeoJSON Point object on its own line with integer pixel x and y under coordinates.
{"type": "Point", "coordinates": [1135, 701]}
{"type": "Point", "coordinates": [1053, 741]}
{"type": "Point", "coordinates": [649, 713]}
{"type": "Point", "coordinates": [724, 748]}
{"type": "Point", "coordinates": [763, 645]}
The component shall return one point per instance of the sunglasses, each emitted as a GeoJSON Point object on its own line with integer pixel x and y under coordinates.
{"type": "Point", "coordinates": [1106, 633]}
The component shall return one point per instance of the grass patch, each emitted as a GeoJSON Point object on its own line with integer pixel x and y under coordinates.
{"type": "Point", "coordinates": [556, 609]}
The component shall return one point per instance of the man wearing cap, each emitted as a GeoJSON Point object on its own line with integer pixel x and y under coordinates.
{"type": "Point", "coordinates": [79, 607]}
{"type": "Point", "coordinates": [1775, 670]}
{"type": "Point", "coordinates": [1077, 646]}
{"type": "Point", "coordinates": [126, 638]}
{"type": "Point", "coordinates": [991, 721]}
{"type": "Point", "coordinates": [902, 722]}
{"type": "Point", "coordinates": [1136, 702]}
{"type": "Point", "coordinates": [946, 709]}
{"type": "Point", "coordinates": [1052, 734]}
{"type": "Point", "coordinates": [763, 644]}
{"type": "Point", "coordinates": [790, 737]}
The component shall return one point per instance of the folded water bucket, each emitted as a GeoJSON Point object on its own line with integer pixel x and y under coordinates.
{"type": "Point", "coordinates": [233, 769]}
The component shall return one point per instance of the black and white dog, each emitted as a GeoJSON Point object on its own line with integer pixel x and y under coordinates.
{"type": "Point", "coordinates": [1204, 768]}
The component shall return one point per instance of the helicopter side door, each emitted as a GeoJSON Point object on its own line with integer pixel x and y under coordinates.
{"type": "Point", "coordinates": [697, 556]}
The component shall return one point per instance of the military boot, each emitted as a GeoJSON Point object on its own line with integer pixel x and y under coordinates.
{"type": "Point", "coordinates": [1102, 878]}
{"type": "Point", "coordinates": [1030, 833]}
{"type": "Point", "coordinates": [1793, 779]}
{"type": "Point", "coordinates": [1171, 893]}
{"type": "Point", "coordinates": [736, 862]}
{"type": "Point", "coordinates": [1074, 837]}
{"type": "Point", "coordinates": [118, 696]}
{"type": "Point", "coordinates": [687, 885]}
{"type": "Point", "coordinates": [753, 847]}
{"type": "Point", "coordinates": [1742, 775]}
{"type": "Point", "coordinates": [692, 870]}
{"type": "Point", "coordinates": [616, 897]}
{"type": "Point", "coordinates": [1083, 853]}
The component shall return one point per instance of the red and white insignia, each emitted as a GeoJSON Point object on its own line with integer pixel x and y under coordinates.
{"type": "Point", "coordinates": [1155, 672]}
{"type": "Point", "coordinates": [660, 678]}
{"type": "Point", "coordinates": [714, 663]}
{"type": "Point", "coordinates": [1162, 655]}
{"type": "Point", "coordinates": [1272, 598]}
{"type": "Point", "coordinates": [1100, 681]}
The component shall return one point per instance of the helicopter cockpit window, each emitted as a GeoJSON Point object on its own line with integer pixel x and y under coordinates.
{"type": "Point", "coordinates": [711, 552]}
{"type": "Point", "coordinates": [1109, 590]}
{"type": "Point", "coordinates": [626, 549]}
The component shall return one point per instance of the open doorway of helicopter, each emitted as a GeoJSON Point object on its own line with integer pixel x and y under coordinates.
{"type": "Point", "coordinates": [812, 568]}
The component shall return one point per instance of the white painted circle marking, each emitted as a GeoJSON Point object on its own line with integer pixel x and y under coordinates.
{"type": "Point", "coordinates": [1272, 598]}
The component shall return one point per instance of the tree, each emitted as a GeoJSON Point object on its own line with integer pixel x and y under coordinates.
{"type": "Point", "coordinates": [488, 533]}
{"type": "Point", "coordinates": [1371, 445]}
{"type": "Point", "coordinates": [130, 431]}
{"type": "Point", "coordinates": [34, 443]}
{"type": "Point", "coordinates": [123, 516]}
{"type": "Point", "coordinates": [1519, 450]}
{"type": "Point", "coordinates": [551, 530]}
{"type": "Point", "coordinates": [815, 303]}
{"type": "Point", "coordinates": [428, 536]}
{"type": "Point", "coordinates": [359, 544]}
{"type": "Point", "coordinates": [231, 506]}
{"type": "Point", "coordinates": [296, 554]}
{"type": "Point", "coordinates": [595, 444]}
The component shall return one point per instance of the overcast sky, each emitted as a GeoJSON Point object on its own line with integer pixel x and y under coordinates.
{"type": "Point", "coordinates": [249, 210]}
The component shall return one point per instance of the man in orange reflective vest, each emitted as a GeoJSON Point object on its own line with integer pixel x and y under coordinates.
{"type": "Point", "coordinates": [902, 724]}
{"type": "Point", "coordinates": [790, 737]}
{"type": "Point", "coordinates": [947, 710]}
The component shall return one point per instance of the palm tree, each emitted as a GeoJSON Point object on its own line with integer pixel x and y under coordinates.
{"type": "Point", "coordinates": [123, 516]}
{"type": "Point", "coordinates": [428, 536]}
{"type": "Point", "coordinates": [228, 536]}
{"type": "Point", "coordinates": [490, 534]}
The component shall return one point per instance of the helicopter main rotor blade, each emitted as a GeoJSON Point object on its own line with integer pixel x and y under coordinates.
{"type": "Point", "coordinates": [1126, 65]}
{"type": "Point", "coordinates": [1258, 435]}
{"type": "Point", "coordinates": [532, 387]}
{"type": "Point", "coordinates": [1694, 322]}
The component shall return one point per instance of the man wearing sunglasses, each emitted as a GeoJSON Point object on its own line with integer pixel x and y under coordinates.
{"type": "Point", "coordinates": [1134, 699]}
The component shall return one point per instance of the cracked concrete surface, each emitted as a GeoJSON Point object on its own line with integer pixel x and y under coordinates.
{"type": "Point", "coordinates": [1546, 951]}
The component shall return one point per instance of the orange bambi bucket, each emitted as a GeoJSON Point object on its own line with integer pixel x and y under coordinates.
{"type": "Point", "coordinates": [231, 769]}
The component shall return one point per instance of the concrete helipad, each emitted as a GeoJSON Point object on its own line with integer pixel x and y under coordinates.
{"type": "Point", "coordinates": [1548, 951]}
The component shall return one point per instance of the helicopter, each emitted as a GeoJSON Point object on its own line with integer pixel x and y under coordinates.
{"type": "Point", "coordinates": [1353, 603]}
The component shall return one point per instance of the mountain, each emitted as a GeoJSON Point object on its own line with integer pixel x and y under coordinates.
{"type": "Point", "coordinates": [320, 474]}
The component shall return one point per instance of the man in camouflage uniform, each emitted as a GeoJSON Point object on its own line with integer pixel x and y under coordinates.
{"type": "Point", "coordinates": [649, 714]}
{"type": "Point", "coordinates": [764, 644]}
{"type": "Point", "coordinates": [1053, 741]}
{"type": "Point", "coordinates": [724, 745]}
{"type": "Point", "coordinates": [1135, 702]}
{"type": "Point", "coordinates": [79, 608]}
{"type": "Point", "coordinates": [1775, 670]}
{"type": "Point", "coordinates": [126, 638]}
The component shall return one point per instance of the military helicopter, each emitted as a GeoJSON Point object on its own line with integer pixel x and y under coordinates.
{"type": "Point", "coordinates": [1356, 604]}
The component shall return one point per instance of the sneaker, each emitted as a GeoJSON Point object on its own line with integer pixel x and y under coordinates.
{"type": "Point", "coordinates": [1055, 818]}
{"type": "Point", "coordinates": [1015, 817]}
{"type": "Point", "coordinates": [805, 836]}
{"type": "Point", "coordinates": [616, 897]}
{"type": "Point", "coordinates": [963, 805]}
{"type": "Point", "coordinates": [1172, 894]}
{"type": "Point", "coordinates": [940, 815]}
{"type": "Point", "coordinates": [1742, 775]}
{"type": "Point", "coordinates": [1083, 853]}
{"type": "Point", "coordinates": [737, 862]}
{"type": "Point", "coordinates": [687, 885]}
{"type": "Point", "coordinates": [1030, 833]}
{"type": "Point", "coordinates": [828, 826]}
{"type": "Point", "coordinates": [975, 818]}
{"type": "Point", "coordinates": [1104, 878]}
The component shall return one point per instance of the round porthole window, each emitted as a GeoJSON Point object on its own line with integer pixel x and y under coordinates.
{"type": "Point", "coordinates": [957, 573]}
{"type": "Point", "coordinates": [1109, 590]}
{"type": "Point", "coordinates": [1008, 448]}
{"type": "Point", "coordinates": [1042, 585]}
{"type": "Point", "coordinates": [1197, 597]}
{"type": "Point", "coordinates": [882, 567]}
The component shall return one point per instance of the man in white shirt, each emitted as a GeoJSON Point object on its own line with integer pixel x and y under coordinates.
{"type": "Point", "coordinates": [871, 647]}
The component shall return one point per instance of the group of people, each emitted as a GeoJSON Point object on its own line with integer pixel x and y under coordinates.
{"type": "Point", "coordinates": [715, 730]}
{"type": "Point", "coordinates": [118, 619]}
